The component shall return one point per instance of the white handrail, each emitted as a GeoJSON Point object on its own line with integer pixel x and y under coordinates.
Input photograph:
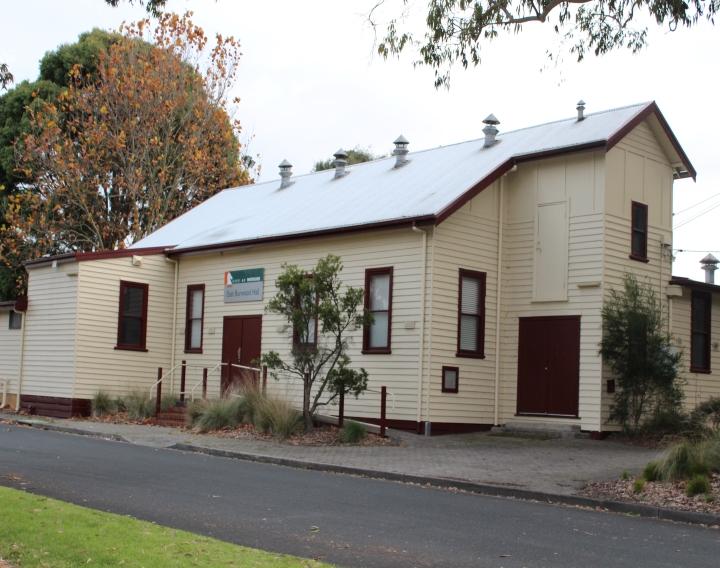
{"type": "Point", "coordinates": [5, 383]}
{"type": "Point", "coordinates": [170, 373]}
{"type": "Point", "coordinates": [200, 382]}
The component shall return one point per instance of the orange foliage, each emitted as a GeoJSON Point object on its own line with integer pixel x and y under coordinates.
{"type": "Point", "coordinates": [120, 155]}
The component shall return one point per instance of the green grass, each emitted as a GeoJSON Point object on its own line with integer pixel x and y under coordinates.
{"type": "Point", "coordinates": [37, 532]}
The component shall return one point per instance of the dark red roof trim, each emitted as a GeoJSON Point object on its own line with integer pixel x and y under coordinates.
{"type": "Point", "coordinates": [694, 284]}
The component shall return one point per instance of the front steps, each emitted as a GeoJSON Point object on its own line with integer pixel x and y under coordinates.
{"type": "Point", "coordinates": [173, 416]}
{"type": "Point", "coordinates": [533, 429]}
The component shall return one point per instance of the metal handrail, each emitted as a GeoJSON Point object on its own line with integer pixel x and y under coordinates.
{"type": "Point", "coordinates": [170, 373]}
{"type": "Point", "coordinates": [200, 382]}
{"type": "Point", "coordinates": [5, 383]}
{"type": "Point", "coordinates": [392, 395]}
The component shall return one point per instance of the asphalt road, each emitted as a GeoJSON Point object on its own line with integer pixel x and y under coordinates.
{"type": "Point", "coordinates": [343, 519]}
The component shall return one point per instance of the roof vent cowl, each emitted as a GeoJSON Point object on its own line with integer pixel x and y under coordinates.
{"type": "Point", "coordinates": [490, 130]}
{"type": "Point", "coordinates": [580, 110]}
{"type": "Point", "coordinates": [340, 163]}
{"type": "Point", "coordinates": [401, 151]}
{"type": "Point", "coordinates": [285, 174]}
{"type": "Point", "coordinates": [709, 265]}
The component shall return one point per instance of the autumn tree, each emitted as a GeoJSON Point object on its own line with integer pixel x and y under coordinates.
{"type": "Point", "coordinates": [128, 148]}
{"type": "Point", "coordinates": [320, 312]}
{"type": "Point", "coordinates": [355, 156]}
{"type": "Point", "coordinates": [455, 30]}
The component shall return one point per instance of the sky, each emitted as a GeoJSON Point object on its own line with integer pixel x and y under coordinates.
{"type": "Point", "coordinates": [310, 82]}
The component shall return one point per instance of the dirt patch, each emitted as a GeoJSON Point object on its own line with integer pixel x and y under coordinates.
{"type": "Point", "coordinates": [4, 564]}
{"type": "Point", "coordinates": [117, 418]}
{"type": "Point", "coordinates": [320, 436]}
{"type": "Point", "coordinates": [659, 494]}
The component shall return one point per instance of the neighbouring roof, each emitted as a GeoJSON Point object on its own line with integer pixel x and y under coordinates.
{"type": "Point", "coordinates": [432, 185]}
{"type": "Point", "coordinates": [695, 284]}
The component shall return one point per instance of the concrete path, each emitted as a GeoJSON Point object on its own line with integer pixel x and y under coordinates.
{"type": "Point", "coordinates": [557, 466]}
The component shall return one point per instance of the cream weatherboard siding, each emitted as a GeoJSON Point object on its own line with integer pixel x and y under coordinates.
{"type": "Point", "coordinates": [578, 181]}
{"type": "Point", "coordinates": [51, 322]}
{"type": "Point", "coordinates": [467, 239]}
{"type": "Point", "coordinates": [637, 170]}
{"type": "Point", "coordinates": [99, 366]}
{"type": "Point", "coordinates": [9, 354]}
{"type": "Point", "coordinates": [400, 249]}
{"type": "Point", "coordinates": [697, 386]}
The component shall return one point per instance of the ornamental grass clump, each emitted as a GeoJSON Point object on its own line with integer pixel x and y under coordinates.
{"type": "Point", "coordinates": [194, 410]}
{"type": "Point", "coordinates": [139, 405]}
{"type": "Point", "coordinates": [639, 485]}
{"type": "Point", "coordinates": [277, 416]}
{"type": "Point", "coordinates": [652, 471]}
{"type": "Point", "coordinates": [698, 485]}
{"type": "Point", "coordinates": [102, 404]}
{"type": "Point", "coordinates": [352, 433]}
{"type": "Point", "coordinates": [221, 414]}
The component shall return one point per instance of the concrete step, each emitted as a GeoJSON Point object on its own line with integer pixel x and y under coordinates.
{"type": "Point", "coordinates": [532, 429]}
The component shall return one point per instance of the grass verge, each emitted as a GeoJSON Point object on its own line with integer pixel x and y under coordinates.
{"type": "Point", "coordinates": [37, 532]}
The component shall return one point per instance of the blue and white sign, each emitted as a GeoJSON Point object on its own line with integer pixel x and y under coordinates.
{"type": "Point", "coordinates": [244, 285]}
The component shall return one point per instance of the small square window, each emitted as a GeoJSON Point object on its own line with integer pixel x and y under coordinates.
{"type": "Point", "coordinates": [15, 320]}
{"type": "Point", "coordinates": [450, 379]}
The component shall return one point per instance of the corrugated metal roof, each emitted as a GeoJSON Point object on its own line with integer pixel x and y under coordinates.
{"type": "Point", "coordinates": [375, 192]}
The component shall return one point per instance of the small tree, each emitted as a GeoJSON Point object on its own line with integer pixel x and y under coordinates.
{"type": "Point", "coordinates": [640, 354]}
{"type": "Point", "coordinates": [319, 313]}
{"type": "Point", "coordinates": [355, 156]}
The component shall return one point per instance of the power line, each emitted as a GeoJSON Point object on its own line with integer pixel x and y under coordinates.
{"type": "Point", "coordinates": [697, 216]}
{"type": "Point", "coordinates": [698, 203]}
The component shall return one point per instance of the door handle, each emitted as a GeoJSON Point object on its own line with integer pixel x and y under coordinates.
{"type": "Point", "coordinates": [239, 354]}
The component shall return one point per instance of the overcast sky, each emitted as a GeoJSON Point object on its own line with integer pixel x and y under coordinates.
{"type": "Point", "coordinates": [310, 82]}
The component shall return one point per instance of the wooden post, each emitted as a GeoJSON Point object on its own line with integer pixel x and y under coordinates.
{"type": "Point", "coordinates": [383, 400]}
{"type": "Point", "coordinates": [158, 392]}
{"type": "Point", "coordinates": [204, 387]}
{"type": "Point", "coordinates": [341, 409]}
{"type": "Point", "coordinates": [183, 369]}
{"type": "Point", "coordinates": [264, 383]}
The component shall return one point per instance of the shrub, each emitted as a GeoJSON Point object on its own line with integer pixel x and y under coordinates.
{"type": "Point", "coordinates": [652, 471]}
{"type": "Point", "coordinates": [669, 421]}
{"type": "Point", "coordinates": [252, 398]}
{"type": "Point", "coordinates": [707, 414]}
{"type": "Point", "coordinates": [276, 416]}
{"type": "Point", "coordinates": [697, 485]}
{"type": "Point", "coordinates": [120, 404]}
{"type": "Point", "coordinates": [639, 485]}
{"type": "Point", "coordinates": [352, 432]}
{"type": "Point", "coordinates": [102, 404]}
{"type": "Point", "coordinates": [219, 414]}
{"type": "Point", "coordinates": [625, 475]}
{"type": "Point", "coordinates": [139, 405]}
{"type": "Point", "coordinates": [167, 402]}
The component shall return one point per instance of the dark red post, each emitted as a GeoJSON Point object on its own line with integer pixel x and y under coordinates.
{"type": "Point", "coordinates": [341, 409]}
{"type": "Point", "coordinates": [383, 401]}
{"type": "Point", "coordinates": [264, 384]}
{"type": "Point", "coordinates": [183, 369]}
{"type": "Point", "coordinates": [204, 387]}
{"type": "Point", "coordinates": [158, 392]}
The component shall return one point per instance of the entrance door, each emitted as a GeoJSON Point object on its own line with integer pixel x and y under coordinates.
{"type": "Point", "coordinates": [549, 365]}
{"type": "Point", "coordinates": [241, 346]}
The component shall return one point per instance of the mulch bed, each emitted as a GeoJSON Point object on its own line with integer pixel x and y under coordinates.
{"type": "Point", "coordinates": [659, 494]}
{"type": "Point", "coordinates": [320, 436]}
{"type": "Point", "coordinates": [117, 418]}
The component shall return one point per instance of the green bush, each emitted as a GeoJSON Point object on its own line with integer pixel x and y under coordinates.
{"type": "Point", "coordinates": [220, 414]}
{"type": "Point", "coordinates": [277, 417]}
{"type": "Point", "coordinates": [691, 458]}
{"type": "Point", "coordinates": [707, 414]}
{"type": "Point", "coordinates": [139, 405]}
{"type": "Point", "coordinates": [697, 485]}
{"type": "Point", "coordinates": [625, 475]}
{"type": "Point", "coordinates": [167, 402]}
{"type": "Point", "coordinates": [669, 421]}
{"type": "Point", "coordinates": [639, 485]}
{"type": "Point", "coordinates": [652, 471]}
{"type": "Point", "coordinates": [352, 432]}
{"type": "Point", "coordinates": [120, 404]}
{"type": "Point", "coordinates": [252, 397]}
{"type": "Point", "coordinates": [102, 404]}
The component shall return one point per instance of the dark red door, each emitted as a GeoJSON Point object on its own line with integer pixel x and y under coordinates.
{"type": "Point", "coordinates": [549, 365]}
{"type": "Point", "coordinates": [240, 346]}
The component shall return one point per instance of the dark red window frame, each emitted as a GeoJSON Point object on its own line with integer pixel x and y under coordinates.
{"type": "Point", "coordinates": [445, 388]}
{"type": "Point", "coordinates": [704, 330]}
{"type": "Point", "coordinates": [479, 351]}
{"type": "Point", "coordinates": [188, 318]}
{"type": "Point", "coordinates": [639, 252]}
{"type": "Point", "coordinates": [140, 346]}
{"type": "Point", "coordinates": [369, 273]}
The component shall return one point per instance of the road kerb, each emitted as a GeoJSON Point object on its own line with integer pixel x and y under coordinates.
{"type": "Point", "coordinates": [638, 509]}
